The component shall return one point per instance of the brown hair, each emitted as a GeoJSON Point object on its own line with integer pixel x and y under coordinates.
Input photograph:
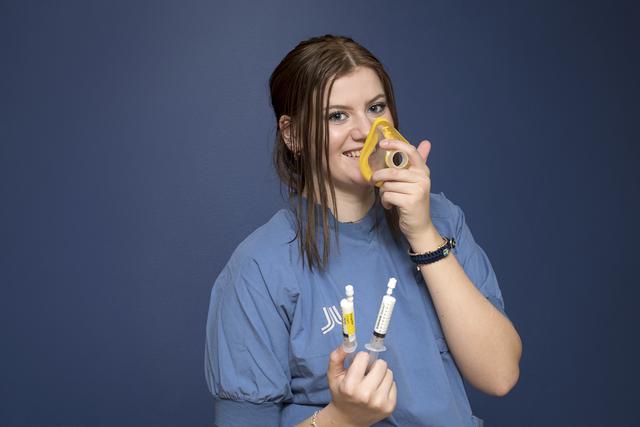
{"type": "Point", "coordinates": [297, 88]}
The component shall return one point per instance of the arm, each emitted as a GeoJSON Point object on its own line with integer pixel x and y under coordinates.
{"type": "Point", "coordinates": [483, 342]}
{"type": "Point", "coordinates": [327, 416]}
{"type": "Point", "coordinates": [246, 351]}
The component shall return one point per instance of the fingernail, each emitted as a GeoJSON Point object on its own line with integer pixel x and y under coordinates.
{"type": "Point", "coordinates": [384, 143]}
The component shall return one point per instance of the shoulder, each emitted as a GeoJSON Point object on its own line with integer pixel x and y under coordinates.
{"type": "Point", "coordinates": [446, 215]}
{"type": "Point", "coordinates": [270, 239]}
{"type": "Point", "coordinates": [267, 254]}
{"type": "Point", "coordinates": [442, 207]}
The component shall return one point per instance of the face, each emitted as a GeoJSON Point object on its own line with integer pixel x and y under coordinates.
{"type": "Point", "coordinates": [356, 100]}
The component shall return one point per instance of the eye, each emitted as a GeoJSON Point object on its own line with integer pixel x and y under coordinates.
{"type": "Point", "coordinates": [337, 116]}
{"type": "Point", "coordinates": [378, 108]}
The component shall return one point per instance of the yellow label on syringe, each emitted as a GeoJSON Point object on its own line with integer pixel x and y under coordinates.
{"type": "Point", "coordinates": [349, 324]}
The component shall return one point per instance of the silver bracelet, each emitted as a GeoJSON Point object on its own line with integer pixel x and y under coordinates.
{"type": "Point", "coordinates": [313, 419]}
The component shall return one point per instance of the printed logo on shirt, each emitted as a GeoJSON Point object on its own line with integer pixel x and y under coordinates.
{"type": "Point", "coordinates": [333, 316]}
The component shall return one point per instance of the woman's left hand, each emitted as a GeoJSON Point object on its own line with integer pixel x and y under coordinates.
{"type": "Point", "coordinates": [408, 190]}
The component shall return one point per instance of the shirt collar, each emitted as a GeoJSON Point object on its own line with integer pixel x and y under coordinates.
{"type": "Point", "coordinates": [363, 228]}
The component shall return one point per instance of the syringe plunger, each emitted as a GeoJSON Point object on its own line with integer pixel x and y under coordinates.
{"type": "Point", "coordinates": [349, 291]}
{"type": "Point", "coordinates": [391, 285]}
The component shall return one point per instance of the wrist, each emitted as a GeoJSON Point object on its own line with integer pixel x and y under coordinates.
{"type": "Point", "coordinates": [427, 241]}
{"type": "Point", "coordinates": [332, 416]}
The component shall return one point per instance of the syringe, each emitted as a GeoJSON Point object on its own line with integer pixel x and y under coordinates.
{"type": "Point", "coordinates": [349, 342]}
{"type": "Point", "coordinates": [376, 346]}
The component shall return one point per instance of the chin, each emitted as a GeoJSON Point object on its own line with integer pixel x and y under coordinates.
{"type": "Point", "coordinates": [361, 185]}
{"type": "Point", "coordinates": [353, 183]}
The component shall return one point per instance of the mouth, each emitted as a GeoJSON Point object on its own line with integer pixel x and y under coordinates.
{"type": "Point", "coordinates": [354, 154]}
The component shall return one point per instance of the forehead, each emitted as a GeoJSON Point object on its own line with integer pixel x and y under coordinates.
{"type": "Point", "coordinates": [359, 86]}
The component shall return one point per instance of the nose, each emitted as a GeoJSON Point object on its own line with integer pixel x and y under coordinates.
{"type": "Point", "coordinates": [360, 129]}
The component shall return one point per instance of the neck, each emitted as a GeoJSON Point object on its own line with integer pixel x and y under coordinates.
{"type": "Point", "coordinates": [352, 207]}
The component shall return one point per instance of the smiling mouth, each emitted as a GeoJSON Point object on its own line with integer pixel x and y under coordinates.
{"type": "Point", "coordinates": [353, 154]}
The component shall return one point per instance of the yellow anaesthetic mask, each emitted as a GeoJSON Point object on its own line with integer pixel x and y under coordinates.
{"type": "Point", "coordinates": [373, 157]}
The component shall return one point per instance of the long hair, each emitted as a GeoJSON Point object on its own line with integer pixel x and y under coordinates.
{"type": "Point", "coordinates": [297, 87]}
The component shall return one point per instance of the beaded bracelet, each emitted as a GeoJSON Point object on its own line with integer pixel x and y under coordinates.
{"type": "Point", "coordinates": [313, 419]}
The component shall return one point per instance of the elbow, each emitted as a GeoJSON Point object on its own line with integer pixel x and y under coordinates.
{"type": "Point", "coordinates": [506, 384]}
{"type": "Point", "coordinates": [508, 378]}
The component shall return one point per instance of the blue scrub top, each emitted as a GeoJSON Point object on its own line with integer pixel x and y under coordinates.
{"type": "Point", "coordinates": [272, 323]}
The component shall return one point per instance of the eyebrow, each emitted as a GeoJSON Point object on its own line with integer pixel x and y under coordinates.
{"type": "Point", "coordinates": [346, 107]}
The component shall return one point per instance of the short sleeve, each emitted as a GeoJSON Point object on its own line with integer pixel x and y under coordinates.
{"type": "Point", "coordinates": [246, 352]}
{"type": "Point", "coordinates": [475, 262]}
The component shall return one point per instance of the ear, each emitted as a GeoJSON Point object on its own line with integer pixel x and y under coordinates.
{"type": "Point", "coordinates": [285, 125]}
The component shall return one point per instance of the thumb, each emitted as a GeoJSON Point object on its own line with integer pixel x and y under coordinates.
{"type": "Point", "coordinates": [336, 363]}
{"type": "Point", "coordinates": [424, 149]}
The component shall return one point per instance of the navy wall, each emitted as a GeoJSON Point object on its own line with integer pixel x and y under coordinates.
{"type": "Point", "coordinates": [135, 143]}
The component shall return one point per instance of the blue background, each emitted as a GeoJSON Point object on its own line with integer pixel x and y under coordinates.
{"type": "Point", "coordinates": [135, 155]}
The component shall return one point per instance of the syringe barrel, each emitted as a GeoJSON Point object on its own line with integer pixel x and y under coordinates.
{"type": "Point", "coordinates": [384, 315]}
{"type": "Point", "coordinates": [349, 346]}
{"type": "Point", "coordinates": [376, 344]}
{"type": "Point", "coordinates": [348, 320]}
{"type": "Point", "coordinates": [375, 348]}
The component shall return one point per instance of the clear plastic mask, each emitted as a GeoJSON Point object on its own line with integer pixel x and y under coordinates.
{"type": "Point", "coordinates": [373, 157]}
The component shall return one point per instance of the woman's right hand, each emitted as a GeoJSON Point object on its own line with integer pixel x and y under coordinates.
{"type": "Point", "coordinates": [360, 398]}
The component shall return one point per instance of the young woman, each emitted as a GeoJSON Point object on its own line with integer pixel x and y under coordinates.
{"type": "Point", "coordinates": [273, 354]}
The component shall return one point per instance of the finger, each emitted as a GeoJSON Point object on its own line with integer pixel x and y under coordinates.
{"type": "Point", "coordinates": [384, 203]}
{"type": "Point", "coordinates": [387, 382]}
{"type": "Point", "coordinates": [399, 187]}
{"type": "Point", "coordinates": [336, 363]}
{"type": "Point", "coordinates": [393, 397]}
{"type": "Point", "coordinates": [407, 175]}
{"type": "Point", "coordinates": [414, 157]}
{"type": "Point", "coordinates": [394, 199]}
{"type": "Point", "coordinates": [375, 376]}
{"type": "Point", "coordinates": [356, 370]}
{"type": "Point", "coordinates": [424, 148]}
{"type": "Point", "coordinates": [381, 395]}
